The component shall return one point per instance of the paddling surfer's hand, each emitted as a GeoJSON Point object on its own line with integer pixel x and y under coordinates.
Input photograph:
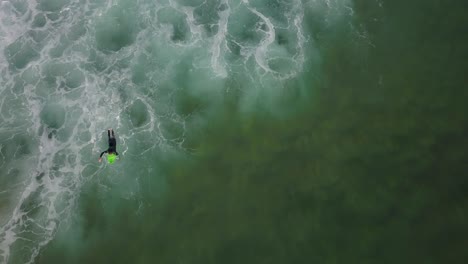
{"type": "Point", "coordinates": [100, 159]}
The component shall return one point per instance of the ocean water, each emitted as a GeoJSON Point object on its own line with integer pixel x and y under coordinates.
{"type": "Point", "coordinates": [249, 131]}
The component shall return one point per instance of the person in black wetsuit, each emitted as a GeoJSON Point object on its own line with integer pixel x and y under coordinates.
{"type": "Point", "coordinates": [112, 150]}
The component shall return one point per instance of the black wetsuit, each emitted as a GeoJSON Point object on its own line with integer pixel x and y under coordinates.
{"type": "Point", "coordinates": [112, 144]}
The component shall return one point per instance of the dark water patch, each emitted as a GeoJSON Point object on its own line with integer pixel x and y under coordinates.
{"type": "Point", "coordinates": [53, 16]}
{"type": "Point", "coordinates": [18, 87]}
{"type": "Point", "coordinates": [243, 25]}
{"type": "Point", "coordinates": [16, 146]}
{"type": "Point", "coordinates": [52, 70]}
{"type": "Point", "coordinates": [171, 130]}
{"type": "Point", "coordinates": [31, 204]}
{"type": "Point", "coordinates": [177, 21]}
{"type": "Point", "coordinates": [140, 69]}
{"type": "Point", "coordinates": [51, 5]}
{"type": "Point", "coordinates": [192, 3]}
{"type": "Point", "coordinates": [188, 104]}
{"type": "Point", "coordinates": [207, 15]}
{"type": "Point", "coordinates": [59, 49]}
{"type": "Point", "coordinates": [233, 46]}
{"type": "Point", "coordinates": [117, 28]}
{"type": "Point", "coordinates": [77, 31]}
{"type": "Point", "coordinates": [20, 53]}
{"type": "Point", "coordinates": [20, 6]}
{"type": "Point", "coordinates": [74, 78]}
{"type": "Point", "coordinates": [96, 62]}
{"type": "Point", "coordinates": [194, 91]}
{"type": "Point", "coordinates": [38, 35]}
{"type": "Point", "coordinates": [53, 115]}
{"type": "Point", "coordinates": [23, 145]}
{"type": "Point", "coordinates": [39, 176]}
{"type": "Point", "coordinates": [138, 113]}
{"type": "Point", "coordinates": [10, 176]}
{"type": "Point", "coordinates": [39, 21]}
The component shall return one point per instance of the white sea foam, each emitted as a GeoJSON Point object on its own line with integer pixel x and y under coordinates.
{"type": "Point", "coordinates": [219, 42]}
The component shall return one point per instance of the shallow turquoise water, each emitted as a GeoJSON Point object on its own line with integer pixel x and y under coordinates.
{"type": "Point", "coordinates": [249, 131]}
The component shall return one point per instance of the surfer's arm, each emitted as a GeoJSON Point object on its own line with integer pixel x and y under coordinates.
{"type": "Point", "coordinates": [100, 157]}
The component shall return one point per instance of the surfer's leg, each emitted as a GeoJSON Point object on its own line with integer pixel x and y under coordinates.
{"type": "Point", "coordinates": [112, 130]}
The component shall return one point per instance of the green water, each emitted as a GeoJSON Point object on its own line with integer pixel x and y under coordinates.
{"type": "Point", "coordinates": [355, 154]}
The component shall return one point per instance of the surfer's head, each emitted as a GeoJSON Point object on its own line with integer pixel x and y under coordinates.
{"type": "Point", "coordinates": [111, 158]}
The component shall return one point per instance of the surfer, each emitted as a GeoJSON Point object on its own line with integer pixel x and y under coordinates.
{"type": "Point", "coordinates": [112, 150]}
